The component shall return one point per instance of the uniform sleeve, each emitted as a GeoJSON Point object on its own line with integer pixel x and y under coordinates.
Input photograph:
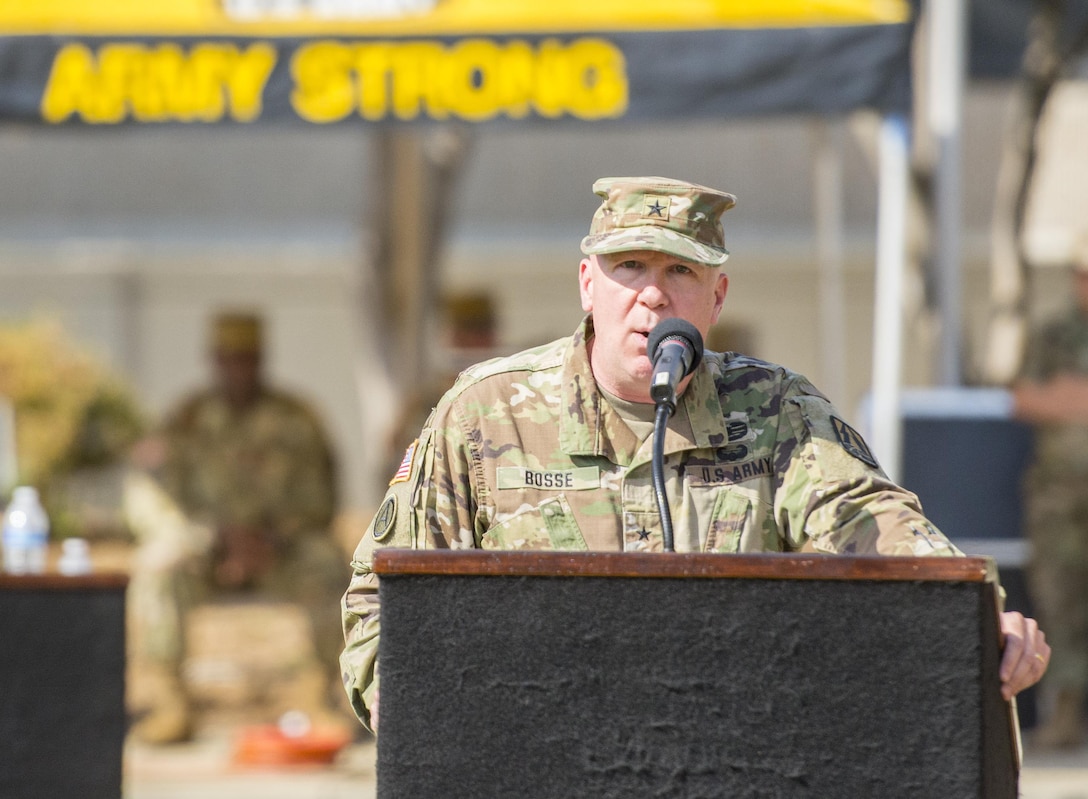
{"type": "Point", "coordinates": [396, 524]}
{"type": "Point", "coordinates": [834, 496]}
{"type": "Point", "coordinates": [430, 504]}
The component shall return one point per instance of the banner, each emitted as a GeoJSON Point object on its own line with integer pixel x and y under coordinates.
{"type": "Point", "coordinates": [322, 62]}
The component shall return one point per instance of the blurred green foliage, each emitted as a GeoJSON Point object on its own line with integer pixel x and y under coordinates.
{"type": "Point", "coordinates": [71, 412]}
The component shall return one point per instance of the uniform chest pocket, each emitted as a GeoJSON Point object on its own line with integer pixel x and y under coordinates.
{"type": "Point", "coordinates": [731, 516]}
{"type": "Point", "coordinates": [549, 525]}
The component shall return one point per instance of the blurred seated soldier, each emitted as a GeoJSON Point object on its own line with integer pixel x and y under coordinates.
{"type": "Point", "coordinates": [249, 497]}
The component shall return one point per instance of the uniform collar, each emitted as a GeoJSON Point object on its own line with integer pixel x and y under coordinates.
{"type": "Point", "coordinates": [590, 426]}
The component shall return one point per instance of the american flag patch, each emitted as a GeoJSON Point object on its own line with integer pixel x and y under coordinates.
{"type": "Point", "coordinates": [405, 468]}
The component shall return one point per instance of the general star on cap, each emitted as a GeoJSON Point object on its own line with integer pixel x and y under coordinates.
{"type": "Point", "coordinates": [656, 209]}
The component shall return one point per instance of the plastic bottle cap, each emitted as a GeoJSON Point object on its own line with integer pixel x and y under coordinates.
{"type": "Point", "coordinates": [75, 557]}
{"type": "Point", "coordinates": [25, 493]}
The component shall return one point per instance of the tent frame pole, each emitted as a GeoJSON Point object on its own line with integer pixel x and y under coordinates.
{"type": "Point", "coordinates": [894, 166]}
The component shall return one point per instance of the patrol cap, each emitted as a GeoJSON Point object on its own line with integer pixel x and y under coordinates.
{"type": "Point", "coordinates": [470, 310]}
{"type": "Point", "coordinates": [670, 216]}
{"type": "Point", "coordinates": [236, 332]}
{"type": "Point", "coordinates": [471, 320]}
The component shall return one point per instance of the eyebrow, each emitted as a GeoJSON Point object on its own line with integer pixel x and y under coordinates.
{"type": "Point", "coordinates": [620, 260]}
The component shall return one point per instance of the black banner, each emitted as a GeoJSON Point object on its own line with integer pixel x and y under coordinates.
{"type": "Point", "coordinates": [592, 77]}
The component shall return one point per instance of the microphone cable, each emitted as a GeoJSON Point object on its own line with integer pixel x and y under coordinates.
{"type": "Point", "coordinates": [661, 421]}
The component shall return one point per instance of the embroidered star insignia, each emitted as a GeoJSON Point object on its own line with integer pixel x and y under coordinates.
{"type": "Point", "coordinates": [643, 534]}
{"type": "Point", "coordinates": [657, 209]}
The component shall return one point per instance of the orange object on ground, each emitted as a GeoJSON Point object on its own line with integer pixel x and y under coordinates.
{"type": "Point", "coordinates": [268, 745]}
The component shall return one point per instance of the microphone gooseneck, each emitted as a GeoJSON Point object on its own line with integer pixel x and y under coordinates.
{"type": "Point", "coordinates": [657, 463]}
{"type": "Point", "coordinates": [675, 348]}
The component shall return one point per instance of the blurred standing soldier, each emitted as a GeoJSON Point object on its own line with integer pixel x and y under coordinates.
{"type": "Point", "coordinates": [252, 471]}
{"type": "Point", "coordinates": [1052, 395]}
{"type": "Point", "coordinates": [469, 336]}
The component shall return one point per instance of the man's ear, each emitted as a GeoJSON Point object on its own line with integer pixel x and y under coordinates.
{"type": "Point", "coordinates": [721, 288]}
{"type": "Point", "coordinates": [586, 270]}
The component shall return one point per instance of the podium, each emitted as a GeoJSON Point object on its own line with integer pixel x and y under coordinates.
{"type": "Point", "coordinates": [62, 686]}
{"type": "Point", "coordinates": [556, 674]}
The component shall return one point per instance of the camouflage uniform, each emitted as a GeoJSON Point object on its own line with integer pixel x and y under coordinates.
{"type": "Point", "coordinates": [267, 467]}
{"type": "Point", "coordinates": [270, 467]}
{"type": "Point", "coordinates": [1057, 509]}
{"type": "Point", "coordinates": [525, 452]}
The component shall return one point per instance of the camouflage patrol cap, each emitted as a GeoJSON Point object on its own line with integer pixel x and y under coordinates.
{"type": "Point", "coordinates": [670, 216]}
{"type": "Point", "coordinates": [236, 332]}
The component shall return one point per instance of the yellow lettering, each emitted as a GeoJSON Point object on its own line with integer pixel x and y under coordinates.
{"type": "Point", "coordinates": [471, 79]}
{"type": "Point", "coordinates": [118, 72]}
{"type": "Point", "coordinates": [324, 90]}
{"type": "Point", "coordinates": [155, 75]}
{"type": "Point", "coordinates": [474, 79]}
{"type": "Point", "coordinates": [70, 80]}
{"type": "Point", "coordinates": [372, 65]}
{"type": "Point", "coordinates": [598, 85]}
{"type": "Point", "coordinates": [551, 80]}
{"type": "Point", "coordinates": [515, 79]}
{"type": "Point", "coordinates": [157, 84]}
{"type": "Point", "coordinates": [416, 80]}
{"type": "Point", "coordinates": [246, 81]}
{"type": "Point", "coordinates": [199, 91]}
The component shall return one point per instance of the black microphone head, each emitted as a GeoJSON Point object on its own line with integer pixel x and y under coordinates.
{"type": "Point", "coordinates": [673, 328]}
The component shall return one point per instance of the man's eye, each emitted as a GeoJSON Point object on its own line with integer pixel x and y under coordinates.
{"type": "Point", "coordinates": [629, 265]}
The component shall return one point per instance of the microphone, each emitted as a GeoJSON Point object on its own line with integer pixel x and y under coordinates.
{"type": "Point", "coordinates": [675, 348]}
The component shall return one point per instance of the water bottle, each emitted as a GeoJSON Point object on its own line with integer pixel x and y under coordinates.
{"type": "Point", "coordinates": [25, 533]}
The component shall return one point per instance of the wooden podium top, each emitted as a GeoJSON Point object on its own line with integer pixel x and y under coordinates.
{"type": "Point", "coordinates": [770, 566]}
{"type": "Point", "coordinates": [54, 581]}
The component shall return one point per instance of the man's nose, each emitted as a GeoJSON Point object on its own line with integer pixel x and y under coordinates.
{"type": "Point", "coordinates": [651, 294]}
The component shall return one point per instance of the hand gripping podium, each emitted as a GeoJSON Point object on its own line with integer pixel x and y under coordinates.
{"type": "Point", "coordinates": [553, 674]}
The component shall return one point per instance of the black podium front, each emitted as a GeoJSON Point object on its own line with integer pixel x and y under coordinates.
{"type": "Point", "coordinates": [966, 457]}
{"type": "Point", "coordinates": [62, 686]}
{"type": "Point", "coordinates": [622, 675]}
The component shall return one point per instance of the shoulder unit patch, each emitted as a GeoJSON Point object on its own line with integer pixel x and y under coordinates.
{"type": "Point", "coordinates": [852, 442]}
{"type": "Point", "coordinates": [387, 514]}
